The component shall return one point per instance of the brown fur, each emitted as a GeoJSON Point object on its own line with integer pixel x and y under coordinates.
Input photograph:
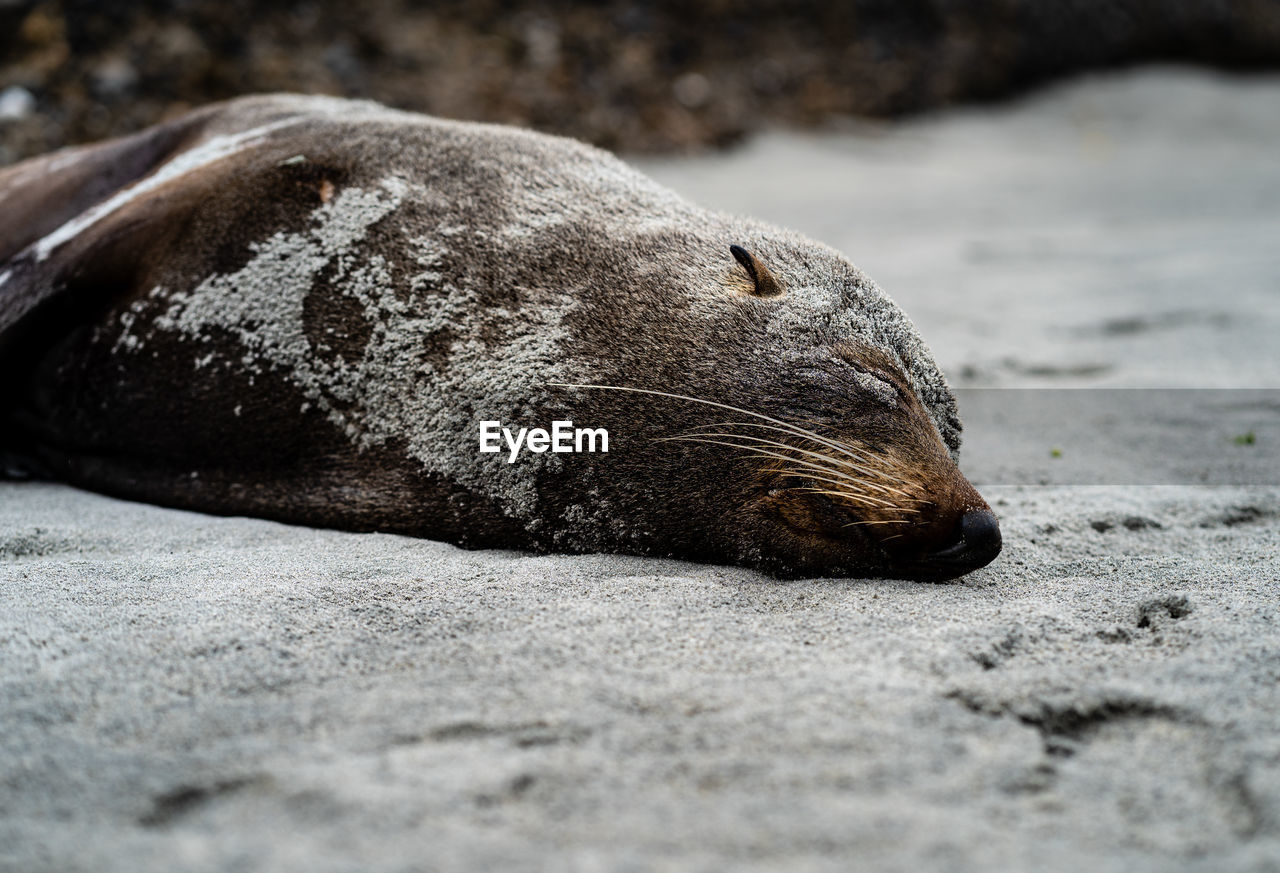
{"type": "Point", "coordinates": [301, 309]}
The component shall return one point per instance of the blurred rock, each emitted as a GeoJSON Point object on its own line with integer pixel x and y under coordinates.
{"type": "Point", "coordinates": [16, 103]}
{"type": "Point", "coordinates": [114, 77]}
{"type": "Point", "coordinates": [653, 76]}
{"type": "Point", "coordinates": [691, 90]}
{"type": "Point", "coordinates": [542, 42]}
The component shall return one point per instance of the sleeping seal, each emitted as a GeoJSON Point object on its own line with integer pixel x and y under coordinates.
{"type": "Point", "coordinates": [304, 308]}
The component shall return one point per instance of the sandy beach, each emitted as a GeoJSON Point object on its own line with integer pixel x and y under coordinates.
{"type": "Point", "coordinates": [184, 692]}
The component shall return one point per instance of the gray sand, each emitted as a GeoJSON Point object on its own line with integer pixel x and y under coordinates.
{"type": "Point", "coordinates": [194, 693]}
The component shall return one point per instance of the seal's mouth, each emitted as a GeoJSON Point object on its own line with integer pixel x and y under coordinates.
{"type": "Point", "coordinates": [934, 551]}
{"type": "Point", "coordinates": [977, 543]}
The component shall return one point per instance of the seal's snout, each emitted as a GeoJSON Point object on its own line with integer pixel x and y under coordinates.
{"type": "Point", "coordinates": [977, 545]}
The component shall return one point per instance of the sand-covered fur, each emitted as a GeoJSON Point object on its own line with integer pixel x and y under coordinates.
{"type": "Point", "coordinates": [302, 307]}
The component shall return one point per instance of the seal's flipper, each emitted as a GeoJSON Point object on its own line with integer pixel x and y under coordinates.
{"type": "Point", "coordinates": [74, 225]}
{"type": "Point", "coordinates": [86, 229]}
{"type": "Point", "coordinates": [44, 195]}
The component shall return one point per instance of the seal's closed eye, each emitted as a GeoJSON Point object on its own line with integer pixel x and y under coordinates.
{"type": "Point", "coordinates": [766, 285]}
{"type": "Point", "coordinates": [878, 387]}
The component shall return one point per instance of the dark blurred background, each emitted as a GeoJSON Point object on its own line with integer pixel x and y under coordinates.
{"type": "Point", "coordinates": [638, 77]}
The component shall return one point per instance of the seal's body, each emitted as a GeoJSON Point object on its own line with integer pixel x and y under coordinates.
{"type": "Point", "coordinates": [303, 308]}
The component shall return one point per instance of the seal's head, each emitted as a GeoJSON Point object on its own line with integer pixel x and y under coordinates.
{"type": "Point", "coordinates": [857, 470]}
{"type": "Point", "coordinates": [826, 443]}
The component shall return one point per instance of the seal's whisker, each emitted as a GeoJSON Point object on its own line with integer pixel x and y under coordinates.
{"type": "Point", "coordinates": [843, 465]}
{"type": "Point", "coordinates": [872, 462]}
{"type": "Point", "coordinates": [796, 429]}
{"type": "Point", "coordinates": [905, 510]}
{"type": "Point", "coordinates": [875, 466]}
{"type": "Point", "coordinates": [755, 450]}
{"type": "Point", "coordinates": [842, 447]}
{"type": "Point", "coordinates": [898, 521]}
{"type": "Point", "coordinates": [767, 454]}
{"type": "Point", "coordinates": [859, 482]}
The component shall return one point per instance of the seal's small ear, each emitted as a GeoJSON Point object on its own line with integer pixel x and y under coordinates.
{"type": "Point", "coordinates": [766, 285]}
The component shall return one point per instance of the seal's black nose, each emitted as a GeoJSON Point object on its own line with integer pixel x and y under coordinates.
{"type": "Point", "coordinates": [978, 545]}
